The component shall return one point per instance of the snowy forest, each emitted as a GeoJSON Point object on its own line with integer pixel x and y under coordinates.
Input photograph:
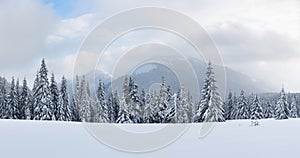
{"type": "Point", "coordinates": [49, 101]}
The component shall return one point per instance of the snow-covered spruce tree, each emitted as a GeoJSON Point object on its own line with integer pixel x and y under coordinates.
{"type": "Point", "coordinates": [42, 96]}
{"type": "Point", "coordinates": [166, 104]}
{"type": "Point", "coordinates": [155, 108]}
{"type": "Point", "coordinates": [20, 111]}
{"type": "Point", "coordinates": [298, 104]}
{"type": "Point", "coordinates": [233, 113]}
{"type": "Point", "coordinates": [3, 99]}
{"type": "Point", "coordinates": [54, 97]}
{"type": "Point", "coordinates": [12, 102]}
{"type": "Point", "coordinates": [135, 111]}
{"type": "Point", "coordinates": [269, 111]}
{"type": "Point", "coordinates": [64, 112]}
{"type": "Point", "coordinates": [123, 116]}
{"type": "Point", "coordinates": [75, 100]}
{"type": "Point", "coordinates": [281, 108]}
{"type": "Point", "coordinates": [211, 104]}
{"type": "Point", "coordinates": [256, 109]}
{"type": "Point", "coordinates": [243, 110]}
{"type": "Point", "coordinates": [25, 102]}
{"type": "Point", "coordinates": [109, 103]}
{"type": "Point", "coordinates": [65, 95]}
{"type": "Point", "coordinates": [191, 108]}
{"type": "Point", "coordinates": [293, 111]}
{"type": "Point", "coordinates": [147, 114]}
{"type": "Point", "coordinates": [178, 107]}
{"type": "Point", "coordinates": [171, 110]}
{"type": "Point", "coordinates": [229, 106]}
{"type": "Point", "coordinates": [143, 98]}
{"type": "Point", "coordinates": [182, 107]}
{"type": "Point", "coordinates": [85, 108]}
{"type": "Point", "coordinates": [102, 110]}
{"type": "Point", "coordinates": [114, 104]}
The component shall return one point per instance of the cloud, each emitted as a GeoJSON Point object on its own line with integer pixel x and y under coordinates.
{"type": "Point", "coordinates": [68, 35]}
{"type": "Point", "coordinates": [62, 66]}
{"type": "Point", "coordinates": [24, 27]}
{"type": "Point", "coordinates": [240, 43]}
{"type": "Point", "coordinates": [257, 37]}
{"type": "Point", "coordinates": [71, 28]}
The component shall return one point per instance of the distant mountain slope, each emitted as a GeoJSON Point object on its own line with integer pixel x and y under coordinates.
{"type": "Point", "coordinates": [150, 74]}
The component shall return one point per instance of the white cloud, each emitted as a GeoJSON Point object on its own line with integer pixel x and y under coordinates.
{"type": "Point", "coordinates": [256, 37]}
{"type": "Point", "coordinates": [62, 66]}
{"type": "Point", "coordinates": [240, 43]}
{"type": "Point", "coordinates": [68, 29]}
{"type": "Point", "coordinates": [24, 26]}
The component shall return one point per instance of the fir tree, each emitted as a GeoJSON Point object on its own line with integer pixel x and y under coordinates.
{"type": "Point", "coordinates": [3, 99]}
{"type": "Point", "coordinates": [20, 113]}
{"type": "Point", "coordinates": [134, 104]}
{"type": "Point", "coordinates": [147, 114]}
{"type": "Point", "coordinates": [143, 98]}
{"type": "Point", "coordinates": [75, 100]}
{"type": "Point", "coordinates": [123, 116]}
{"type": "Point", "coordinates": [166, 104]}
{"type": "Point", "coordinates": [36, 81]}
{"type": "Point", "coordinates": [12, 112]}
{"type": "Point", "coordinates": [85, 108]}
{"type": "Point", "coordinates": [65, 97]}
{"type": "Point", "coordinates": [25, 102]}
{"type": "Point", "coordinates": [229, 106]}
{"type": "Point", "coordinates": [294, 111]}
{"type": "Point", "coordinates": [54, 97]}
{"type": "Point", "coordinates": [269, 111]}
{"type": "Point", "coordinates": [211, 104]}
{"type": "Point", "coordinates": [281, 108]}
{"type": "Point", "coordinates": [256, 109]}
{"type": "Point", "coordinates": [233, 113]}
{"type": "Point", "coordinates": [243, 110]}
{"type": "Point", "coordinates": [42, 96]}
{"type": "Point", "coordinates": [182, 107]}
{"type": "Point", "coordinates": [191, 106]}
{"type": "Point", "coordinates": [114, 104]}
{"type": "Point", "coordinates": [103, 111]}
{"type": "Point", "coordinates": [154, 102]}
{"type": "Point", "coordinates": [64, 112]}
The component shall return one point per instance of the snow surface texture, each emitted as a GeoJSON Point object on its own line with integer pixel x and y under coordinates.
{"type": "Point", "coordinates": [232, 139]}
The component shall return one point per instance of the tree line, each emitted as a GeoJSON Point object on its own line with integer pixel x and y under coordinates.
{"type": "Point", "coordinates": [49, 101]}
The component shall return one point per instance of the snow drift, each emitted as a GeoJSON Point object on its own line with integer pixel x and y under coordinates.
{"type": "Point", "coordinates": [232, 139]}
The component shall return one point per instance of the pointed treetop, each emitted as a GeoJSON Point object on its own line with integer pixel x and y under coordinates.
{"type": "Point", "coordinates": [43, 64]}
{"type": "Point", "coordinates": [163, 80]}
{"type": "Point", "coordinates": [209, 63]}
{"type": "Point", "coordinates": [282, 89]}
{"type": "Point", "coordinates": [255, 97]}
{"type": "Point", "coordinates": [12, 83]}
{"type": "Point", "coordinates": [24, 81]}
{"type": "Point", "coordinates": [242, 92]}
{"type": "Point", "coordinates": [43, 71]}
{"type": "Point", "coordinates": [209, 71]}
{"type": "Point", "coordinates": [52, 77]}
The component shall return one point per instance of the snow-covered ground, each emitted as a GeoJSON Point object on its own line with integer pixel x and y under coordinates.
{"type": "Point", "coordinates": [233, 139]}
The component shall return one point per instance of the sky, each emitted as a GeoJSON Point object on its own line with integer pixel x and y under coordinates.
{"type": "Point", "coordinates": [259, 38]}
